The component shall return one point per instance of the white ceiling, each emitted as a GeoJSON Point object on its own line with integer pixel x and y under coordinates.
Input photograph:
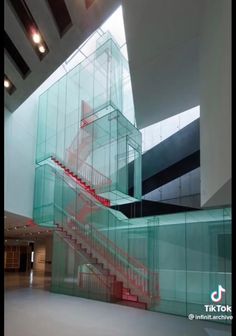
{"type": "Point", "coordinates": [162, 40]}
{"type": "Point", "coordinates": [23, 229]}
{"type": "Point", "coordinates": [84, 23]}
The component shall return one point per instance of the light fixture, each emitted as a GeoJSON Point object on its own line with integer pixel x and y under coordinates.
{"type": "Point", "coordinates": [36, 37]}
{"type": "Point", "coordinates": [9, 86]}
{"type": "Point", "coordinates": [15, 227]}
{"type": "Point", "coordinates": [7, 83]}
{"type": "Point", "coordinates": [42, 49]}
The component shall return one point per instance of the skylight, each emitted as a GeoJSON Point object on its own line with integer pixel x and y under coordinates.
{"type": "Point", "coordinates": [114, 24]}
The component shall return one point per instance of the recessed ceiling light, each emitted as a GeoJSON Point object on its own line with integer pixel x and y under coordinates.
{"type": "Point", "coordinates": [36, 37]}
{"type": "Point", "coordinates": [7, 83]}
{"type": "Point", "coordinates": [42, 49]}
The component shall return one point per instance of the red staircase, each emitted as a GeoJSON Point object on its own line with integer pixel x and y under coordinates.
{"type": "Point", "coordinates": [101, 251]}
{"type": "Point", "coordinates": [114, 266]}
{"type": "Point", "coordinates": [81, 182]}
{"type": "Point", "coordinates": [119, 294]}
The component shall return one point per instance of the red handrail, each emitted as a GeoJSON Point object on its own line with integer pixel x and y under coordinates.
{"type": "Point", "coordinates": [90, 174]}
{"type": "Point", "coordinates": [135, 262]}
{"type": "Point", "coordinates": [79, 181]}
{"type": "Point", "coordinates": [96, 177]}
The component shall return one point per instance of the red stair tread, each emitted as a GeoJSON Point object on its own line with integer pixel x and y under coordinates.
{"type": "Point", "coordinates": [130, 297]}
{"type": "Point", "coordinates": [140, 305]}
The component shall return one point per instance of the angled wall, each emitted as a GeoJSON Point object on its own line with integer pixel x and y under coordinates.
{"type": "Point", "coordinates": [163, 42]}
{"type": "Point", "coordinates": [215, 121]}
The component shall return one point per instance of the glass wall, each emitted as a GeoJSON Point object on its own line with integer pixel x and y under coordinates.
{"type": "Point", "coordinates": [87, 122]}
{"type": "Point", "coordinates": [187, 255]}
{"type": "Point", "coordinates": [191, 252]}
{"type": "Point", "coordinates": [91, 90]}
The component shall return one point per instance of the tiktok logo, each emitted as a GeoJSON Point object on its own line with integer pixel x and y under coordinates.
{"type": "Point", "coordinates": [216, 296]}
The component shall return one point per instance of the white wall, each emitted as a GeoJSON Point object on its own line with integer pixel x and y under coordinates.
{"type": "Point", "coordinates": [19, 154]}
{"type": "Point", "coordinates": [48, 258]}
{"type": "Point", "coordinates": [180, 57]}
{"type": "Point", "coordinates": [39, 256]}
{"type": "Point", "coordinates": [20, 129]}
{"type": "Point", "coordinates": [163, 43]}
{"type": "Point", "coordinates": [43, 255]}
{"type": "Point", "coordinates": [215, 121]}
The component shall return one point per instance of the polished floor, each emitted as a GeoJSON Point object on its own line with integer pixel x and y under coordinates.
{"type": "Point", "coordinates": [32, 310]}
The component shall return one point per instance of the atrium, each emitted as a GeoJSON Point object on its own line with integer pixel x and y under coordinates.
{"type": "Point", "coordinates": [117, 160]}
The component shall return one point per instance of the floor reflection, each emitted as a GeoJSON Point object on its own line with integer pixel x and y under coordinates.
{"type": "Point", "coordinates": [26, 280]}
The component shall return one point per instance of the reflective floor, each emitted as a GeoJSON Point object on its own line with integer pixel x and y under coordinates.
{"type": "Point", "coordinates": [32, 310]}
{"type": "Point", "coordinates": [26, 280]}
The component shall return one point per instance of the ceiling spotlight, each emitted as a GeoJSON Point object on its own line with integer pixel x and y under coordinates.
{"type": "Point", "coordinates": [42, 49]}
{"type": "Point", "coordinates": [7, 83]}
{"type": "Point", "coordinates": [36, 37]}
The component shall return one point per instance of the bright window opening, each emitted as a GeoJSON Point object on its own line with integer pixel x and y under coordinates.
{"type": "Point", "coordinates": [154, 134]}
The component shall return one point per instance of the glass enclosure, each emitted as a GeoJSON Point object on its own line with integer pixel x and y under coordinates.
{"type": "Point", "coordinates": [86, 145]}
{"type": "Point", "coordinates": [187, 256]}
{"type": "Point", "coordinates": [86, 120]}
